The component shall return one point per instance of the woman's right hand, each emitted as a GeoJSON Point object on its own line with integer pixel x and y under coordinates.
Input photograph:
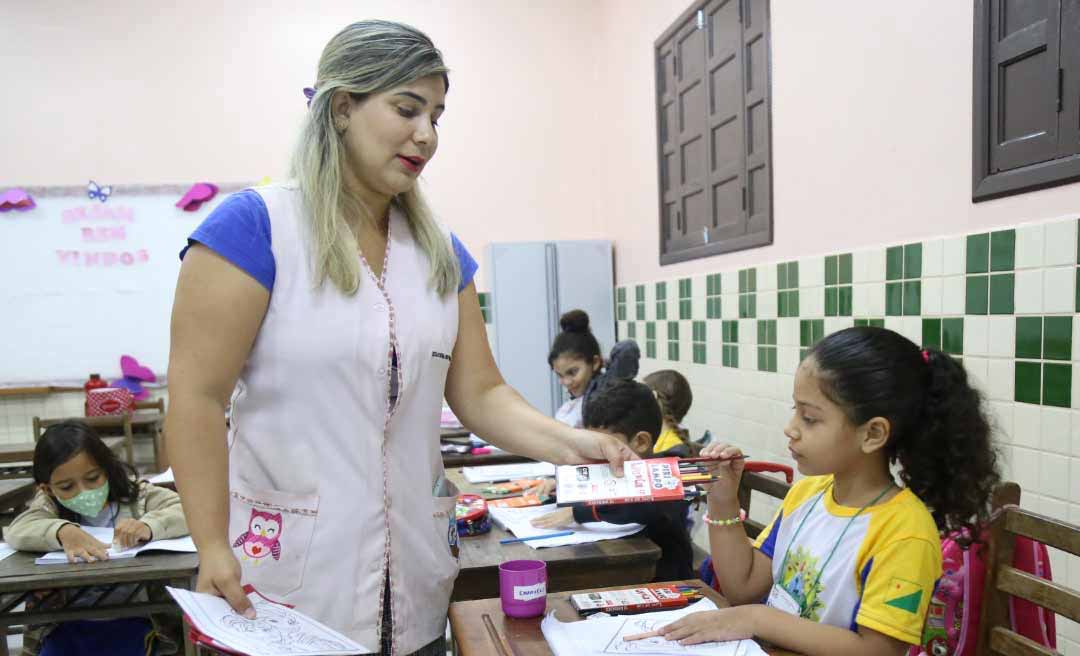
{"type": "Point", "coordinates": [80, 545]}
{"type": "Point", "coordinates": [728, 469]}
{"type": "Point", "coordinates": [219, 575]}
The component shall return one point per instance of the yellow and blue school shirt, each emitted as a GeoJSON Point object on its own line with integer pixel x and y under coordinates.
{"type": "Point", "coordinates": [884, 567]}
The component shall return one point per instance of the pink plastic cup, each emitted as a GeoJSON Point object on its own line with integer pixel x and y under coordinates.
{"type": "Point", "coordinates": [523, 587]}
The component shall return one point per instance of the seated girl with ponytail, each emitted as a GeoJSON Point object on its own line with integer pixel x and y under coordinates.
{"type": "Point", "coordinates": [849, 562]}
{"type": "Point", "coordinates": [575, 359]}
{"type": "Point", "coordinates": [673, 393]}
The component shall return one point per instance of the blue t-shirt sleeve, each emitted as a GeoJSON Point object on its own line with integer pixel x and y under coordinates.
{"type": "Point", "coordinates": [239, 230]}
{"type": "Point", "coordinates": [468, 264]}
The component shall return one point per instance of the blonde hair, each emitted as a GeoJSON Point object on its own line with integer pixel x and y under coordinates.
{"type": "Point", "coordinates": [365, 58]}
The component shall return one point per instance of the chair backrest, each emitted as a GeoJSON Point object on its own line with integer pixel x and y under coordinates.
{"type": "Point", "coordinates": [158, 405]}
{"type": "Point", "coordinates": [753, 479]}
{"type": "Point", "coordinates": [1003, 580]}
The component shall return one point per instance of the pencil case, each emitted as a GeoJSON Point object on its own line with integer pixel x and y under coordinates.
{"type": "Point", "coordinates": [472, 515]}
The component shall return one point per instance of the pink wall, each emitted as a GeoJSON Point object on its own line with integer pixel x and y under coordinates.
{"type": "Point", "coordinates": [871, 131]}
{"type": "Point", "coordinates": [140, 92]}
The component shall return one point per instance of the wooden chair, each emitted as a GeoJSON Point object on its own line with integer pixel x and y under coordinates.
{"type": "Point", "coordinates": [161, 462]}
{"type": "Point", "coordinates": [115, 431]}
{"type": "Point", "coordinates": [753, 479]}
{"type": "Point", "coordinates": [1003, 580]}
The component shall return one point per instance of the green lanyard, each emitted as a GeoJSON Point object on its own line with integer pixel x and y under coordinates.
{"type": "Point", "coordinates": [817, 580]}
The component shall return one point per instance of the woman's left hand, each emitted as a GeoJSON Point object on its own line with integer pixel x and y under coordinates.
{"type": "Point", "coordinates": [589, 445]}
{"type": "Point", "coordinates": [711, 626]}
{"type": "Point", "coordinates": [130, 532]}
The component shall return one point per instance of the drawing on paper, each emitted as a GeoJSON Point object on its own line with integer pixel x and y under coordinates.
{"type": "Point", "coordinates": [275, 626]}
{"type": "Point", "coordinates": [653, 645]}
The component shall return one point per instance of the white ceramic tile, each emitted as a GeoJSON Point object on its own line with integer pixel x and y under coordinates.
{"type": "Point", "coordinates": [729, 306]}
{"type": "Point", "coordinates": [1002, 417]}
{"type": "Point", "coordinates": [1056, 430]}
{"type": "Point", "coordinates": [1025, 469]}
{"type": "Point", "coordinates": [875, 300]}
{"type": "Point", "coordinates": [697, 307]}
{"type": "Point", "coordinates": [911, 327]}
{"type": "Point", "coordinates": [812, 303]}
{"type": "Point", "coordinates": [933, 254]}
{"type": "Point", "coordinates": [978, 372]}
{"type": "Point", "coordinates": [953, 295]}
{"type": "Point", "coordinates": [932, 292]}
{"type": "Point", "coordinates": [895, 324]}
{"type": "Point", "coordinates": [1028, 425]}
{"type": "Point", "coordinates": [1075, 392]}
{"type": "Point", "coordinates": [1060, 243]}
{"type": "Point", "coordinates": [860, 300]}
{"type": "Point", "coordinates": [812, 271]}
{"type": "Point", "coordinates": [1074, 424]}
{"type": "Point", "coordinates": [766, 304]}
{"type": "Point", "coordinates": [787, 359]}
{"type": "Point", "coordinates": [729, 282]}
{"type": "Point", "coordinates": [1057, 509]}
{"type": "Point", "coordinates": [1054, 473]}
{"type": "Point", "coordinates": [868, 266]}
{"type": "Point", "coordinates": [953, 261]}
{"type": "Point", "coordinates": [834, 324]}
{"type": "Point", "coordinates": [1000, 383]}
{"type": "Point", "coordinates": [787, 332]}
{"type": "Point", "coordinates": [748, 332]}
{"type": "Point", "coordinates": [1058, 290]}
{"type": "Point", "coordinates": [1005, 462]}
{"type": "Point", "coordinates": [976, 335]}
{"type": "Point", "coordinates": [766, 278]}
{"type": "Point", "coordinates": [1002, 341]}
{"type": "Point", "coordinates": [1029, 246]}
{"type": "Point", "coordinates": [1029, 292]}
{"type": "Point", "coordinates": [747, 356]}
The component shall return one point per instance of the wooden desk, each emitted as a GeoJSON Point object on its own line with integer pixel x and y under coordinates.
{"type": "Point", "coordinates": [468, 460]}
{"type": "Point", "coordinates": [95, 583]}
{"type": "Point", "coordinates": [470, 636]}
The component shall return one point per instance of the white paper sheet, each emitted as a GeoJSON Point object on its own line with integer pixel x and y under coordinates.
{"type": "Point", "coordinates": [603, 635]}
{"type": "Point", "coordinates": [496, 473]}
{"type": "Point", "coordinates": [519, 522]}
{"type": "Point", "coordinates": [164, 477]}
{"type": "Point", "coordinates": [5, 550]}
{"type": "Point", "coordinates": [276, 630]}
{"type": "Point", "coordinates": [105, 534]}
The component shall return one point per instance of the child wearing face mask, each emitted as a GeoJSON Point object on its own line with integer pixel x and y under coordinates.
{"type": "Point", "coordinates": [81, 481]}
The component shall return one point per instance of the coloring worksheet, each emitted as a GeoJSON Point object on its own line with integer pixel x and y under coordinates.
{"type": "Point", "coordinates": [277, 630]}
{"type": "Point", "coordinates": [657, 645]}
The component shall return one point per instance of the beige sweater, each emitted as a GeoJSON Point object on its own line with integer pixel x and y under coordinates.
{"type": "Point", "coordinates": [36, 528]}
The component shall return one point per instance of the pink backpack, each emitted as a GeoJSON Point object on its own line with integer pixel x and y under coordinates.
{"type": "Point", "coordinates": [952, 621]}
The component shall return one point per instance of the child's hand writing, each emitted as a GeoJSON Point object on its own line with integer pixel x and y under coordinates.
{"type": "Point", "coordinates": [708, 626]}
{"type": "Point", "coordinates": [728, 469]}
{"type": "Point", "coordinates": [130, 532]}
{"type": "Point", "coordinates": [80, 545]}
{"type": "Point", "coordinates": [559, 519]}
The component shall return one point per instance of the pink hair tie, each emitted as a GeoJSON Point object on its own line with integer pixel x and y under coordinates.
{"type": "Point", "coordinates": [926, 356]}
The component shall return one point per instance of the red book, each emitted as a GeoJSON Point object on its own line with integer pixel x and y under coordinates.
{"type": "Point", "coordinates": [635, 600]}
{"type": "Point", "coordinates": [644, 481]}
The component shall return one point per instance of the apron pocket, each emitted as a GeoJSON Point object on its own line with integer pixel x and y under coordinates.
{"type": "Point", "coordinates": [270, 532]}
{"type": "Point", "coordinates": [444, 519]}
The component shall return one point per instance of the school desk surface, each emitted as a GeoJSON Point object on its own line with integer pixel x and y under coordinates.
{"type": "Point", "coordinates": [523, 637]}
{"type": "Point", "coordinates": [625, 561]}
{"type": "Point", "coordinates": [95, 584]}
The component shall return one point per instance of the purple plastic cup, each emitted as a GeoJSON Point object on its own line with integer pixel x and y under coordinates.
{"type": "Point", "coordinates": [523, 587]}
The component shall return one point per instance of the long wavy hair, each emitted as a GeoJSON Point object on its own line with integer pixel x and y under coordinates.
{"type": "Point", "coordinates": [365, 58]}
{"type": "Point", "coordinates": [940, 435]}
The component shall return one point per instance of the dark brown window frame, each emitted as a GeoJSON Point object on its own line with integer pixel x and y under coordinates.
{"type": "Point", "coordinates": [744, 242]}
{"type": "Point", "coordinates": [985, 184]}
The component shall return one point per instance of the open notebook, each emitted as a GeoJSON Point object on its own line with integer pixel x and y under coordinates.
{"type": "Point", "coordinates": [105, 534]}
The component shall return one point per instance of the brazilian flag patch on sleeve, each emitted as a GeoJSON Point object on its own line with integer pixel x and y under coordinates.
{"type": "Point", "coordinates": [904, 595]}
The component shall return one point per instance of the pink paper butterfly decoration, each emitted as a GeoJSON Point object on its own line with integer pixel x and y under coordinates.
{"type": "Point", "coordinates": [199, 193]}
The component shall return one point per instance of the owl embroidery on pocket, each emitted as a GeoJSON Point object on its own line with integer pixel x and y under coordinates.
{"type": "Point", "coordinates": [261, 538]}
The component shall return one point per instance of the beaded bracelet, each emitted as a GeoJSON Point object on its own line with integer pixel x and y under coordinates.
{"type": "Point", "coordinates": [722, 522]}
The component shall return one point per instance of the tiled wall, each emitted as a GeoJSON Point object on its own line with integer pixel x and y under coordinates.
{"type": "Point", "coordinates": [1005, 302]}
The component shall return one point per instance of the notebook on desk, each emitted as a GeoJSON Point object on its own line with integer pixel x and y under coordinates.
{"type": "Point", "coordinates": [105, 534]}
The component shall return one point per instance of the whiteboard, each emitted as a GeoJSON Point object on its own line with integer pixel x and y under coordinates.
{"type": "Point", "coordinates": [83, 282]}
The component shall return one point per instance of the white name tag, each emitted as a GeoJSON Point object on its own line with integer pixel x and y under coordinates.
{"type": "Point", "coordinates": [781, 599]}
{"type": "Point", "coordinates": [530, 592]}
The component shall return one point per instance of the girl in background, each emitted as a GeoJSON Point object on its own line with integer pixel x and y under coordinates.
{"type": "Point", "coordinates": [575, 359]}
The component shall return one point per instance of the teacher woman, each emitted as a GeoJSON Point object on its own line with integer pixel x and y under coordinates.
{"type": "Point", "coordinates": [335, 314]}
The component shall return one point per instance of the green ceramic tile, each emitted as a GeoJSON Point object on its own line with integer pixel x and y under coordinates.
{"type": "Point", "coordinates": [673, 330]}
{"type": "Point", "coordinates": [793, 303]}
{"type": "Point", "coordinates": [952, 336]}
{"type": "Point", "coordinates": [1077, 289]}
{"type": "Point", "coordinates": [639, 293]}
{"type": "Point", "coordinates": [844, 301]}
{"type": "Point", "coordinates": [819, 330]}
{"type": "Point", "coordinates": [894, 299]}
{"type": "Point", "coordinates": [699, 331]}
{"type": "Point", "coordinates": [762, 332]}
{"type": "Point", "coordinates": [742, 305]}
{"type": "Point", "coordinates": [861, 323]}
{"type": "Point", "coordinates": [831, 269]}
{"type": "Point", "coordinates": [685, 309]}
{"type": "Point", "coordinates": [781, 275]}
{"type": "Point", "coordinates": [685, 288]}
{"type": "Point", "coordinates": [1001, 293]}
{"type": "Point", "coordinates": [712, 284]}
{"type": "Point", "coordinates": [742, 281]}
{"type": "Point", "coordinates": [1002, 250]}
{"type": "Point", "coordinates": [1029, 337]}
{"type": "Point", "coordinates": [877, 323]}
{"type": "Point", "coordinates": [978, 295]}
{"type": "Point", "coordinates": [751, 306]}
{"type": "Point", "coordinates": [844, 277]}
{"type": "Point", "coordinates": [620, 310]}
{"type": "Point", "coordinates": [487, 314]}
{"type": "Point", "coordinates": [806, 332]}
{"type": "Point", "coordinates": [734, 331]}
{"type": "Point", "coordinates": [673, 351]}
{"type": "Point", "coordinates": [622, 294]}
{"type": "Point", "coordinates": [731, 356]}
{"type": "Point", "coordinates": [1057, 338]}
{"type": "Point", "coordinates": [650, 348]}
{"type": "Point", "coordinates": [650, 330]}
{"type": "Point", "coordinates": [771, 331]}
{"type": "Point", "coordinates": [661, 291]}
{"type": "Point", "coordinates": [832, 301]}
{"type": "Point", "coordinates": [978, 253]}
{"type": "Point", "coordinates": [912, 261]}
{"type": "Point", "coordinates": [912, 298]}
{"type": "Point", "coordinates": [661, 310]}
{"type": "Point", "coordinates": [894, 263]}
{"type": "Point", "coordinates": [1027, 382]}
{"type": "Point", "coordinates": [631, 330]}
{"type": "Point", "coordinates": [724, 356]}
{"type": "Point", "coordinates": [793, 275]}
{"type": "Point", "coordinates": [751, 280]}
{"type": "Point", "coordinates": [781, 304]}
{"type": "Point", "coordinates": [1057, 385]}
{"type": "Point", "coordinates": [931, 333]}
{"type": "Point", "coordinates": [712, 308]}
{"type": "Point", "coordinates": [772, 360]}
{"type": "Point", "coordinates": [699, 354]}
{"type": "Point", "coordinates": [640, 311]}
{"type": "Point", "coordinates": [762, 359]}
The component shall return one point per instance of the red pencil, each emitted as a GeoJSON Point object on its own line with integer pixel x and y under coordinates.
{"type": "Point", "coordinates": [713, 459]}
